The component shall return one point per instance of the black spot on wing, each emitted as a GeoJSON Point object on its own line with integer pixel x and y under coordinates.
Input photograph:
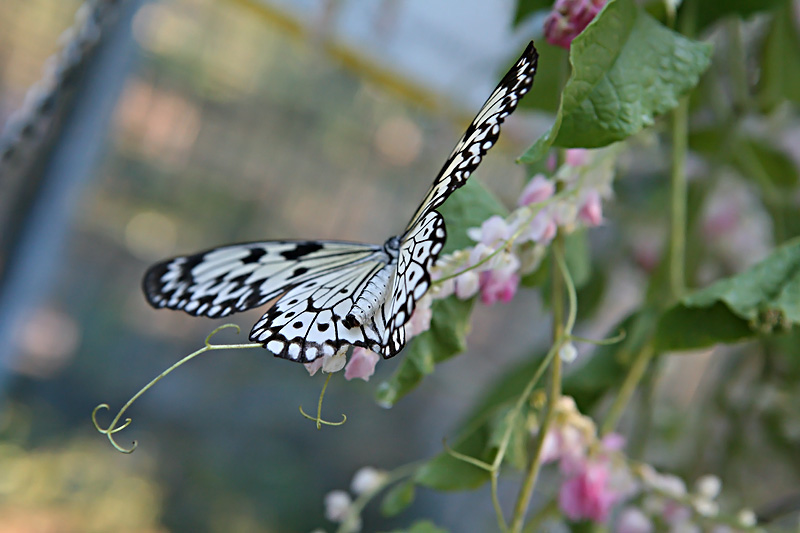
{"type": "Point", "coordinates": [302, 250]}
{"type": "Point", "coordinates": [255, 255]}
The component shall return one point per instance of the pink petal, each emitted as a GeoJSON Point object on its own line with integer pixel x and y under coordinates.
{"type": "Point", "coordinates": [537, 190]}
{"type": "Point", "coordinates": [587, 495]}
{"type": "Point", "coordinates": [591, 212]}
{"type": "Point", "coordinates": [361, 365]}
{"type": "Point", "coordinates": [576, 157]}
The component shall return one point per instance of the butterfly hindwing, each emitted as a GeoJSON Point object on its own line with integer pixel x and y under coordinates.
{"type": "Point", "coordinates": [307, 321]}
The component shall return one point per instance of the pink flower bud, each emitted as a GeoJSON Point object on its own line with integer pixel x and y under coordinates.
{"type": "Point", "coordinates": [537, 190]}
{"type": "Point", "coordinates": [498, 286]}
{"type": "Point", "coordinates": [568, 19]}
{"type": "Point", "coordinates": [591, 212]}
{"type": "Point", "coordinates": [361, 365]}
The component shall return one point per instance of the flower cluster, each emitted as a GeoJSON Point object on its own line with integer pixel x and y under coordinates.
{"type": "Point", "coordinates": [510, 247]}
{"type": "Point", "coordinates": [507, 248]}
{"type": "Point", "coordinates": [569, 18]}
{"type": "Point", "coordinates": [597, 477]}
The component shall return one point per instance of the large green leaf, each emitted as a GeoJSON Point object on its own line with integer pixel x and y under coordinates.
{"type": "Point", "coordinates": [780, 61]}
{"type": "Point", "coordinates": [761, 300]}
{"type": "Point", "coordinates": [445, 338]}
{"type": "Point", "coordinates": [626, 69]}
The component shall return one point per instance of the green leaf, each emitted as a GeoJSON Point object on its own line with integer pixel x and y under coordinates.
{"type": "Point", "coordinates": [762, 162]}
{"type": "Point", "coordinates": [549, 78]}
{"type": "Point", "coordinates": [626, 68]}
{"type": "Point", "coordinates": [423, 526]}
{"type": "Point", "coordinates": [398, 498]}
{"type": "Point", "coordinates": [445, 339]}
{"type": "Point", "coordinates": [759, 301]}
{"type": "Point", "coordinates": [706, 12]}
{"type": "Point", "coordinates": [525, 8]}
{"type": "Point", "coordinates": [467, 208]}
{"type": "Point", "coordinates": [445, 472]}
{"type": "Point", "coordinates": [779, 79]}
{"type": "Point", "coordinates": [516, 453]}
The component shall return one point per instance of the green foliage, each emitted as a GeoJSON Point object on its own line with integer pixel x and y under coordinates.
{"type": "Point", "coordinates": [763, 300]}
{"type": "Point", "coordinates": [526, 8]}
{"type": "Point", "coordinates": [780, 61]}
{"type": "Point", "coordinates": [398, 498]}
{"type": "Point", "coordinates": [467, 208]}
{"type": "Point", "coordinates": [626, 69]}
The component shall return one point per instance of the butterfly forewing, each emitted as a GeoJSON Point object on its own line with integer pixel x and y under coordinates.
{"type": "Point", "coordinates": [421, 246]}
{"type": "Point", "coordinates": [234, 278]}
{"type": "Point", "coordinates": [481, 134]}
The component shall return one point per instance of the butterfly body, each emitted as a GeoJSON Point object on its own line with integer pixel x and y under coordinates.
{"type": "Point", "coordinates": [334, 294]}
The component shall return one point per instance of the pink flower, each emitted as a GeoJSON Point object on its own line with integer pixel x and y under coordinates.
{"type": "Point", "coordinates": [591, 212]}
{"type": "Point", "coordinates": [500, 283]}
{"type": "Point", "coordinates": [576, 157]}
{"type": "Point", "coordinates": [467, 285]}
{"type": "Point", "coordinates": [493, 231]}
{"type": "Point", "coordinates": [542, 229]}
{"type": "Point", "coordinates": [361, 365]}
{"type": "Point", "coordinates": [537, 190]}
{"type": "Point", "coordinates": [613, 442]}
{"type": "Point", "coordinates": [568, 19]}
{"type": "Point", "coordinates": [587, 495]}
{"type": "Point", "coordinates": [496, 287]}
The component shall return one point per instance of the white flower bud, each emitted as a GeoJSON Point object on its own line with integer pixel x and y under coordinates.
{"type": "Point", "coordinates": [367, 479]}
{"type": "Point", "coordinates": [746, 518]}
{"type": "Point", "coordinates": [708, 486]}
{"type": "Point", "coordinates": [568, 352]}
{"type": "Point", "coordinates": [705, 507]}
{"type": "Point", "coordinates": [337, 505]}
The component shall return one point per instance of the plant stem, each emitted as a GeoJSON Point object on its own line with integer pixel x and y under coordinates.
{"type": "Point", "coordinates": [635, 374]}
{"type": "Point", "coordinates": [680, 141]}
{"type": "Point", "coordinates": [554, 391]}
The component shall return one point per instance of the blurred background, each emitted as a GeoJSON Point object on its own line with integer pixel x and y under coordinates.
{"type": "Point", "coordinates": [186, 124]}
{"type": "Point", "coordinates": [136, 130]}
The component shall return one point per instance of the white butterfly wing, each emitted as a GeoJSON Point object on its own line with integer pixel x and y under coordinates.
{"type": "Point", "coordinates": [307, 321]}
{"type": "Point", "coordinates": [418, 252]}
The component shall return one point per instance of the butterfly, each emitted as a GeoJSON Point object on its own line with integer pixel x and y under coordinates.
{"type": "Point", "coordinates": [334, 294]}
